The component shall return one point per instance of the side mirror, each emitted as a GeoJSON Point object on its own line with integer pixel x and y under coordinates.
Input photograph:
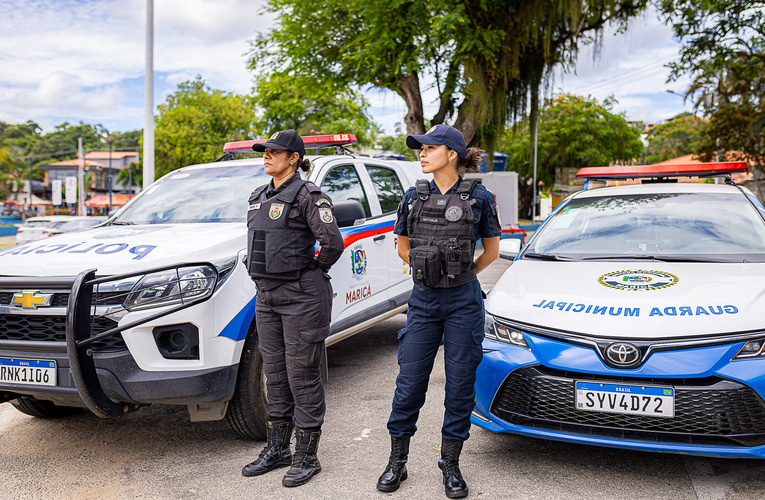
{"type": "Point", "coordinates": [509, 248]}
{"type": "Point", "coordinates": [347, 212]}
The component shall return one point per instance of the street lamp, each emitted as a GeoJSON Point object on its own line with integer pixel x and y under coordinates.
{"type": "Point", "coordinates": [30, 183]}
{"type": "Point", "coordinates": [109, 175]}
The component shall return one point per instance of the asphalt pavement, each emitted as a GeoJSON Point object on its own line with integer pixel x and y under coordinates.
{"type": "Point", "coordinates": [157, 453]}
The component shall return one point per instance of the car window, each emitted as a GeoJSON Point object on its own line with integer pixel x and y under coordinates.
{"type": "Point", "coordinates": [721, 226]}
{"type": "Point", "coordinates": [343, 183]}
{"type": "Point", "coordinates": [387, 187]}
{"type": "Point", "coordinates": [37, 223]}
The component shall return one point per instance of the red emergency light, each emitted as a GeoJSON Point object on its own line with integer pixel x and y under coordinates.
{"type": "Point", "coordinates": [310, 141]}
{"type": "Point", "coordinates": [656, 171]}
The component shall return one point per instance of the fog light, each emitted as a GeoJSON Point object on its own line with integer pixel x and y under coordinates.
{"type": "Point", "coordinates": [177, 341]}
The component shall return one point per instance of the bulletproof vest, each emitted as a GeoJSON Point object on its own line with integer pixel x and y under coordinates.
{"type": "Point", "coordinates": [442, 227]}
{"type": "Point", "coordinates": [277, 247]}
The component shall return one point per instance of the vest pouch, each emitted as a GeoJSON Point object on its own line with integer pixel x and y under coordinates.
{"type": "Point", "coordinates": [426, 265]}
{"type": "Point", "coordinates": [453, 258]}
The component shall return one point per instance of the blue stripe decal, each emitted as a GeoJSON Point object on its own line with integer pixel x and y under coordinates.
{"type": "Point", "coordinates": [238, 326]}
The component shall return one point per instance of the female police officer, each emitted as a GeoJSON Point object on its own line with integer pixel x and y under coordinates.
{"type": "Point", "coordinates": [438, 224]}
{"type": "Point", "coordinates": [293, 308]}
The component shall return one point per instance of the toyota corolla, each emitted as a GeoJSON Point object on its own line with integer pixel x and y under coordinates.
{"type": "Point", "coordinates": [635, 318]}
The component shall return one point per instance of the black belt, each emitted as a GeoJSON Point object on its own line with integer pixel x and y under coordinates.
{"type": "Point", "coordinates": [266, 284]}
{"type": "Point", "coordinates": [460, 279]}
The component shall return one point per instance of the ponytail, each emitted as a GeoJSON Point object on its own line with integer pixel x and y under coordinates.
{"type": "Point", "coordinates": [304, 165]}
{"type": "Point", "coordinates": [470, 161]}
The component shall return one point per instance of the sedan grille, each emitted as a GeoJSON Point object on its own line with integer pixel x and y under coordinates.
{"type": "Point", "coordinates": [711, 411]}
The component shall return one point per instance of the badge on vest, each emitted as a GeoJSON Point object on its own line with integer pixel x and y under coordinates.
{"type": "Point", "coordinates": [325, 214]}
{"type": "Point", "coordinates": [255, 206]}
{"type": "Point", "coordinates": [453, 213]}
{"type": "Point", "coordinates": [276, 210]}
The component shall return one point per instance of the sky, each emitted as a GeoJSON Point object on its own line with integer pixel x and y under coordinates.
{"type": "Point", "coordinates": [83, 60]}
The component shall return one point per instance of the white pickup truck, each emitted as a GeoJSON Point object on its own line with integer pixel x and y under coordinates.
{"type": "Point", "coordinates": [156, 306]}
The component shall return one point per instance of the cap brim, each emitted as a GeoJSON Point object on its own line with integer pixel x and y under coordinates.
{"type": "Point", "coordinates": [261, 147]}
{"type": "Point", "coordinates": [416, 141]}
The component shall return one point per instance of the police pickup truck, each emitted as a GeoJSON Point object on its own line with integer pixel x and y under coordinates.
{"type": "Point", "coordinates": [156, 306]}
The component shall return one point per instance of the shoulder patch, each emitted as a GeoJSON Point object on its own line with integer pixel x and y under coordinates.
{"type": "Point", "coordinates": [323, 201]}
{"type": "Point", "coordinates": [325, 214]}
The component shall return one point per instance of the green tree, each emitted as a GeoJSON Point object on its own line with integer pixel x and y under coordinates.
{"type": "Point", "coordinates": [723, 51]}
{"type": "Point", "coordinates": [678, 136]}
{"type": "Point", "coordinates": [574, 132]}
{"type": "Point", "coordinates": [485, 57]}
{"type": "Point", "coordinates": [309, 106]}
{"type": "Point", "coordinates": [194, 123]}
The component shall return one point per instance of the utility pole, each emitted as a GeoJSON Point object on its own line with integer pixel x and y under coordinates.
{"type": "Point", "coordinates": [30, 184]}
{"type": "Point", "coordinates": [148, 119]}
{"type": "Point", "coordinates": [80, 179]}
{"type": "Point", "coordinates": [109, 175]}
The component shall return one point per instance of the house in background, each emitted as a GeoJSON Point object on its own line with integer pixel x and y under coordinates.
{"type": "Point", "coordinates": [97, 163]}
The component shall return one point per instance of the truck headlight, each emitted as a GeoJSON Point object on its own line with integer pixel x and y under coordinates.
{"type": "Point", "coordinates": [751, 349]}
{"type": "Point", "coordinates": [170, 287]}
{"type": "Point", "coordinates": [499, 332]}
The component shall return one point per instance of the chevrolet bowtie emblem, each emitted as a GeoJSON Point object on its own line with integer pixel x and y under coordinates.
{"type": "Point", "coordinates": [31, 299]}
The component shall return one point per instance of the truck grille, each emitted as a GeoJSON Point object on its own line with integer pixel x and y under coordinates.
{"type": "Point", "coordinates": [711, 411]}
{"type": "Point", "coordinates": [53, 329]}
{"type": "Point", "coordinates": [61, 299]}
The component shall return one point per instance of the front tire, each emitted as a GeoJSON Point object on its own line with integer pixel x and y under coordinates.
{"type": "Point", "coordinates": [43, 409]}
{"type": "Point", "coordinates": [247, 410]}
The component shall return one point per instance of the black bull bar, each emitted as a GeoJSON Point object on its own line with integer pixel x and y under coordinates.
{"type": "Point", "coordinates": [81, 309]}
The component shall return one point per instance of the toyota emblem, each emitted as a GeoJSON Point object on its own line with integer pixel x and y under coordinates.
{"type": "Point", "coordinates": [623, 354]}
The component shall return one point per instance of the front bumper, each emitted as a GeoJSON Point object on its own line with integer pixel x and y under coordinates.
{"type": "Point", "coordinates": [719, 410]}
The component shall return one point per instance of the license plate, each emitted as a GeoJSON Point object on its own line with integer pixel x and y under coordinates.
{"type": "Point", "coordinates": [625, 399]}
{"type": "Point", "coordinates": [27, 371]}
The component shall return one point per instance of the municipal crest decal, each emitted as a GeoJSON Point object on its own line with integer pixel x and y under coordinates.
{"type": "Point", "coordinates": [358, 262]}
{"type": "Point", "coordinates": [276, 210]}
{"type": "Point", "coordinates": [640, 279]}
{"type": "Point", "coordinates": [325, 214]}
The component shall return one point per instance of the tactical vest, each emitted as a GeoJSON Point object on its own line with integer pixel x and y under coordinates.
{"type": "Point", "coordinates": [277, 248]}
{"type": "Point", "coordinates": [441, 229]}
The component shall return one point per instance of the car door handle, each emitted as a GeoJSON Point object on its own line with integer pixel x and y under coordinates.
{"type": "Point", "coordinates": [379, 237]}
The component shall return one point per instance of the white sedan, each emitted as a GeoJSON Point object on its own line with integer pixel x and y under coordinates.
{"type": "Point", "coordinates": [37, 228]}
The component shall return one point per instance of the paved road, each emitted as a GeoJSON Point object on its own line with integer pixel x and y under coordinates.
{"type": "Point", "coordinates": [157, 453]}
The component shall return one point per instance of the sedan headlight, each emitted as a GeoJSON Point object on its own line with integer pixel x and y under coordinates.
{"type": "Point", "coordinates": [499, 332]}
{"type": "Point", "coordinates": [751, 349]}
{"type": "Point", "coordinates": [173, 286]}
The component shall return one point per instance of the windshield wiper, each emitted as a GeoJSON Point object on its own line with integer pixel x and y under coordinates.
{"type": "Point", "coordinates": [122, 223]}
{"type": "Point", "coordinates": [545, 256]}
{"type": "Point", "coordinates": [659, 258]}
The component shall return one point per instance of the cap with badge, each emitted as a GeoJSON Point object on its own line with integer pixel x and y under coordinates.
{"type": "Point", "coordinates": [287, 140]}
{"type": "Point", "coordinates": [439, 134]}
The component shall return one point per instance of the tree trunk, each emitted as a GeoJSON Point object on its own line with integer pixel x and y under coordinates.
{"type": "Point", "coordinates": [408, 87]}
{"type": "Point", "coordinates": [466, 122]}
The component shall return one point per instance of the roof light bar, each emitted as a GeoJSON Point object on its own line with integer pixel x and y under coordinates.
{"type": "Point", "coordinates": [310, 141]}
{"type": "Point", "coordinates": [679, 170]}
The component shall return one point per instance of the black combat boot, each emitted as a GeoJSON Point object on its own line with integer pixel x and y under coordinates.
{"type": "Point", "coordinates": [276, 453]}
{"type": "Point", "coordinates": [305, 464]}
{"type": "Point", "coordinates": [454, 485]}
{"type": "Point", "coordinates": [395, 472]}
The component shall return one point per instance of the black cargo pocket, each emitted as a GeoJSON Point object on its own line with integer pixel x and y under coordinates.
{"type": "Point", "coordinates": [313, 334]}
{"type": "Point", "coordinates": [425, 262]}
{"type": "Point", "coordinates": [307, 282]}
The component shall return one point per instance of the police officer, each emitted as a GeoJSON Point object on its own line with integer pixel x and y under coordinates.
{"type": "Point", "coordinates": [437, 226]}
{"type": "Point", "coordinates": [292, 313]}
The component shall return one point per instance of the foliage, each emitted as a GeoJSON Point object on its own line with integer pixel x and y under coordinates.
{"type": "Point", "coordinates": [485, 58]}
{"type": "Point", "coordinates": [574, 132]}
{"type": "Point", "coordinates": [676, 137]}
{"type": "Point", "coordinates": [397, 144]}
{"type": "Point", "coordinates": [194, 123]}
{"type": "Point", "coordinates": [724, 53]}
{"type": "Point", "coordinates": [310, 106]}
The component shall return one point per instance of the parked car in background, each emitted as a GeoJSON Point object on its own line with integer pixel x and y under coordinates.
{"type": "Point", "coordinates": [37, 228]}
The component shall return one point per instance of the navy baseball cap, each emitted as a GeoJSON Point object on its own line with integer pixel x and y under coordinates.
{"type": "Point", "coordinates": [439, 134]}
{"type": "Point", "coordinates": [287, 140]}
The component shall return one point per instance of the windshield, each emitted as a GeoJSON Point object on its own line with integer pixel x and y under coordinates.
{"type": "Point", "coordinates": [217, 194]}
{"type": "Point", "coordinates": [711, 227]}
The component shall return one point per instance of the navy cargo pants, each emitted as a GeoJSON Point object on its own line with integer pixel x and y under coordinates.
{"type": "Point", "coordinates": [455, 315]}
{"type": "Point", "coordinates": [292, 321]}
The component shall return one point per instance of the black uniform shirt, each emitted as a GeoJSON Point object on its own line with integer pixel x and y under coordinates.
{"type": "Point", "coordinates": [313, 209]}
{"type": "Point", "coordinates": [484, 210]}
